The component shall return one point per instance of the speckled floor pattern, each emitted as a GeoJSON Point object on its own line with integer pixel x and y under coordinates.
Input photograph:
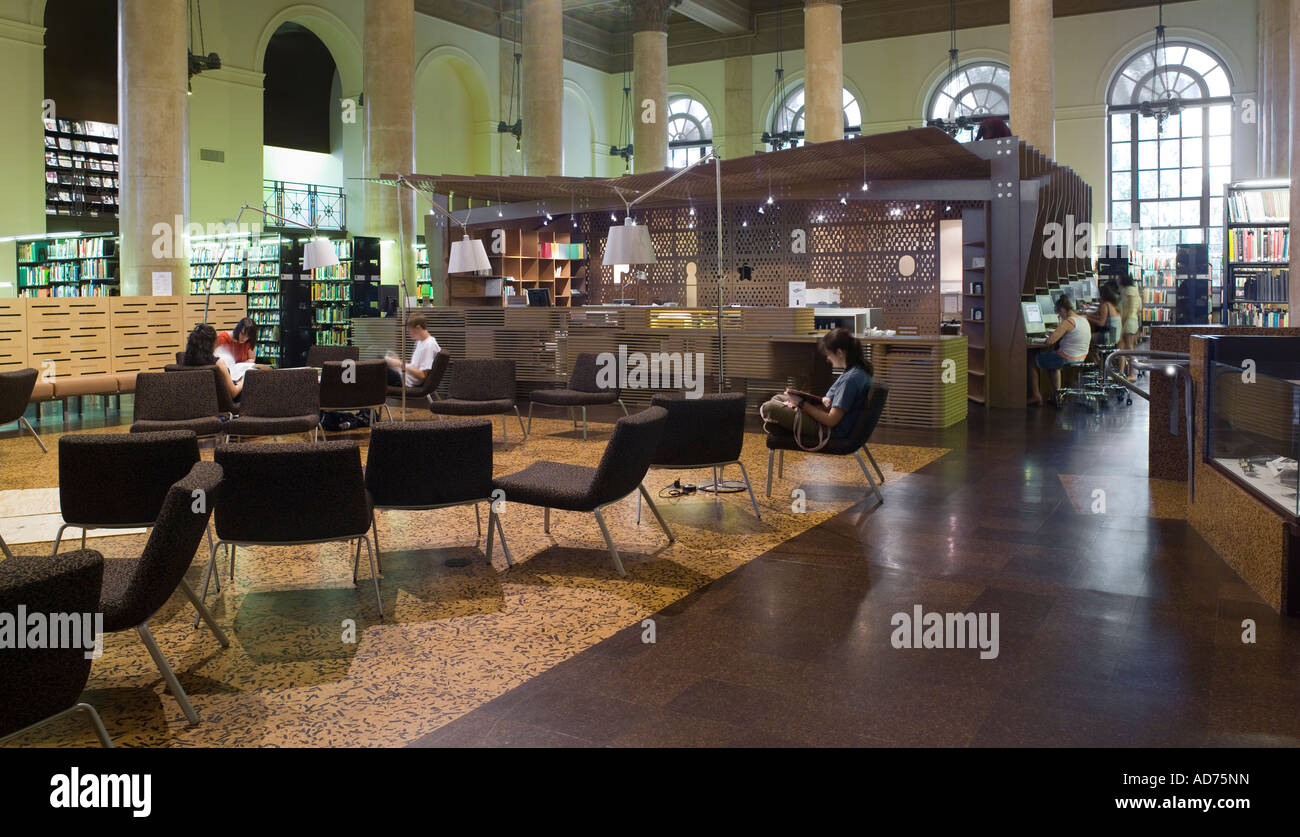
{"type": "Point", "coordinates": [453, 638]}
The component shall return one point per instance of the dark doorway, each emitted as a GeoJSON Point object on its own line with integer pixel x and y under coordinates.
{"type": "Point", "coordinates": [296, 102]}
{"type": "Point", "coordinates": [81, 59]}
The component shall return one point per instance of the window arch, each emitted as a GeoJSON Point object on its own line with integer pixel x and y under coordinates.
{"type": "Point", "coordinates": [975, 92]}
{"type": "Point", "coordinates": [788, 119]}
{"type": "Point", "coordinates": [690, 131]}
{"type": "Point", "coordinates": [1167, 175]}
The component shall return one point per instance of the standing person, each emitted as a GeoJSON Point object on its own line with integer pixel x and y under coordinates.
{"type": "Point", "coordinates": [1105, 318]}
{"type": "Point", "coordinates": [816, 421]}
{"type": "Point", "coordinates": [1130, 312]}
{"type": "Point", "coordinates": [426, 349]}
{"type": "Point", "coordinates": [239, 345]}
{"type": "Point", "coordinates": [1072, 338]}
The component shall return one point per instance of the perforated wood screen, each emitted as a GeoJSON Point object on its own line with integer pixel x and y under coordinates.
{"type": "Point", "coordinates": [856, 247]}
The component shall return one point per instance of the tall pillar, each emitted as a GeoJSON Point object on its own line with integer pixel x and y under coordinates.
{"type": "Point", "coordinates": [738, 107]}
{"type": "Point", "coordinates": [650, 85]}
{"type": "Point", "coordinates": [543, 87]}
{"type": "Point", "coordinates": [1294, 147]}
{"type": "Point", "coordinates": [1274, 112]}
{"type": "Point", "coordinates": [823, 50]}
{"type": "Point", "coordinates": [388, 84]}
{"type": "Point", "coordinates": [1033, 109]}
{"type": "Point", "coordinates": [153, 116]}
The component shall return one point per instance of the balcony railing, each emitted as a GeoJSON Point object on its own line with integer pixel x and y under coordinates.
{"type": "Point", "coordinates": [322, 207]}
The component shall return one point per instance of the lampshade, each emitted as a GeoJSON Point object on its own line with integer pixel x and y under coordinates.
{"type": "Point", "coordinates": [318, 252]}
{"type": "Point", "coordinates": [629, 244]}
{"type": "Point", "coordinates": [468, 256]}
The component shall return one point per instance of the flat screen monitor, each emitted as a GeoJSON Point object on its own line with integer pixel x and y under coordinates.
{"type": "Point", "coordinates": [1033, 318]}
{"type": "Point", "coordinates": [1079, 291]}
{"type": "Point", "coordinates": [539, 297]}
{"type": "Point", "coordinates": [1093, 291]}
{"type": "Point", "coordinates": [1047, 310]}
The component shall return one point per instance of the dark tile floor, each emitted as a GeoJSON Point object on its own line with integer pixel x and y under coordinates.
{"type": "Point", "coordinates": [1115, 630]}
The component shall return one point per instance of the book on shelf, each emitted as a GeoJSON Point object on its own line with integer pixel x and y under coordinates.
{"type": "Point", "coordinates": [1263, 244]}
{"type": "Point", "coordinates": [1258, 206]}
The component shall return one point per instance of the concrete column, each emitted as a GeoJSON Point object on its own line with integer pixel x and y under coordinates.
{"type": "Point", "coordinates": [1033, 108]}
{"type": "Point", "coordinates": [388, 84]}
{"type": "Point", "coordinates": [823, 49]}
{"type": "Point", "coordinates": [650, 85]}
{"type": "Point", "coordinates": [1294, 288]}
{"type": "Point", "coordinates": [153, 116]}
{"type": "Point", "coordinates": [738, 107]}
{"type": "Point", "coordinates": [1274, 111]}
{"type": "Point", "coordinates": [543, 87]}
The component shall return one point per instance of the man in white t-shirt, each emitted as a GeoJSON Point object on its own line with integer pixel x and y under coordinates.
{"type": "Point", "coordinates": [426, 349]}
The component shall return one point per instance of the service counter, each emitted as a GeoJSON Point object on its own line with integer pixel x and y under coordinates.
{"type": "Point", "coordinates": [764, 350]}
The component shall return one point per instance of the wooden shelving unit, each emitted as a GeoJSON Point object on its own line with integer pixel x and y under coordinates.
{"type": "Point", "coordinates": [77, 266]}
{"type": "Point", "coordinates": [544, 258]}
{"type": "Point", "coordinates": [81, 168]}
{"type": "Point", "coordinates": [974, 308]}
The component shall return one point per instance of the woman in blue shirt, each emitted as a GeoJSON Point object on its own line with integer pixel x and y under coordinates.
{"type": "Point", "coordinates": [835, 414]}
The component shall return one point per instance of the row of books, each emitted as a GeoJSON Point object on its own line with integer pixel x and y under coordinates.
{"type": "Point", "coordinates": [557, 250]}
{"type": "Point", "coordinates": [332, 336]}
{"type": "Point", "coordinates": [76, 162]}
{"type": "Point", "coordinates": [238, 269]}
{"type": "Point", "coordinates": [88, 210]}
{"type": "Point", "coordinates": [93, 181]}
{"type": "Point", "coordinates": [219, 286]}
{"type": "Point", "coordinates": [264, 302]}
{"type": "Point", "coordinates": [331, 292]}
{"type": "Point", "coordinates": [1259, 206]}
{"type": "Point", "coordinates": [84, 146]}
{"type": "Point", "coordinates": [65, 248]}
{"type": "Point", "coordinates": [1158, 315]}
{"type": "Point", "coordinates": [1259, 316]}
{"type": "Point", "coordinates": [107, 199]}
{"type": "Point", "coordinates": [265, 318]}
{"type": "Point", "coordinates": [85, 127]}
{"type": "Point", "coordinates": [1158, 296]}
{"type": "Point", "coordinates": [264, 286]}
{"type": "Point", "coordinates": [1258, 245]}
{"type": "Point", "coordinates": [209, 251]}
{"type": "Point", "coordinates": [340, 272]}
{"type": "Point", "coordinates": [1263, 287]}
{"type": "Point", "coordinates": [68, 291]}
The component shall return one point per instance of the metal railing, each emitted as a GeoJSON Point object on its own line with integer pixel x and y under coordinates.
{"type": "Point", "coordinates": [319, 207]}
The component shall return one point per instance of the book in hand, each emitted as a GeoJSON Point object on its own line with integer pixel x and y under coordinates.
{"type": "Point", "coordinates": [797, 395]}
{"type": "Point", "coordinates": [237, 370]}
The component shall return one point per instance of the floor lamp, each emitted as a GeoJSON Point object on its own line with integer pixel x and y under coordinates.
{"type": "Point", "coordinates": [317, 252]}
{"type": "Point", "coordinates": [630, 244]}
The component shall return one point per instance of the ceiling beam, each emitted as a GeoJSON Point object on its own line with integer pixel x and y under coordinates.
{"type": "Point", "coordinates": [723, 16]}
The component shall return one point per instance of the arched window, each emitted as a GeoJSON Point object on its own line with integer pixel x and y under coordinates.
{"type": "Point", "coordinates": [690, 131]}
{"type": "Point", "coordinates": [1167, 171]}
{"type": "Point", "coordinates": [788, 122]}
{"type": "Point", "coordinates": [969, 96]}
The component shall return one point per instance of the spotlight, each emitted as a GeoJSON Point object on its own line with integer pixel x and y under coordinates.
{"type": "Point", "coordinates": [844, 201]}
{"type": "Point", "coordinates": [769, 200]}
{"type": "Point", "coordinates": [1171, 371]}
{"type": "Point", "coordinates": [821, 217]}
{"type": "Point", "coordinates": [613, 217]}
{"type": "Point", "coordinates": [864, 186]}
{"type": "Point", "coordinates": [947, 209]}
{"type": "Point", "coordinates": [692, 210]}
{"type": "Point", "coordinates": [918, 206]}
{"type": "Point", "coordinates": [744, 223]}
{"type": "Point", "coordinates": [760, 210]}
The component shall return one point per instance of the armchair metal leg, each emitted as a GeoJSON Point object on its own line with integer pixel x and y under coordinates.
{"type": "Point", "coordinates": [478, 521]}
{"type": "Point", "coordinates": [208, 576]}
{"type": "Point", "coordinates": [58, 537]}
{"type": "Point", "coordinates": [96, 723]}
{"type": "Point", "coordinates": [173, 685]}
{"type": "Point", "coordinates": [655, 509]}
{"type": "Point", "coordinates": [546, 520]}
{"type": "Point", "coordinates": [205, 613]}
{"type": "Point", "coordinates": [505, 432]}
{"type": "Point", "coordinates": [624, 406]}
{"type": "Point", "coordinates": [780, 464]}
{"type": "Point", "coordinates": [522, 429]}
{"type": "Point", "coordinates": [4, 548]}
{"type": "Point", "coordinates": [374, 575]}
{"type": "Point", "coordinates": [494, 522]}
{"type": "Point", "coordinates": [638, 508]}
{"type": "Point", "coordinates": [83, 537]}
{"type": "Point", "coordinates": [22, 420]}
{"type": "Point", "coordinates": [613, 550]}
{"type": "Point", "coordinates": [875, 488]}
{"type": "Point", "coordinates": [750, 489]}
{"type": "Point", "coordinates": [374, 527]}
{"type": "Point", "coordinates": [232, 563]}
{"type": "Point", "coordinates": [530, 417]}
{"type": "Point", "coordinates": [388, 411]}
{"type": "Point", "coordinates": [874, 464]}
{"type": "Point", "coordinates": [356, 561]}
{"type": "Point", "coordinates": [771, 454]}
{"type": "Point", "coordinates": [573, 417]}
{"type": "Point", "coordinates": [584, 424]}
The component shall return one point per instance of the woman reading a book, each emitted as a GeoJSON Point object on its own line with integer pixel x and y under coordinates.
{"type": "Point", "coordinates": [239, 344]}
{"type": "Point", "coordinates": [815, 421]}
{"type": "Point", "coordinates": [199, 352]}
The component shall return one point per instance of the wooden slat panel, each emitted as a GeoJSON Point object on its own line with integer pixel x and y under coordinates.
{"type": "Point", "coordinates": [13, 335]}
{"type": "Point", "coordinates": [146, 332]}
{"type": "Point", "coordinates": [225, 311]}
{"type": "Point", "coordinates": [72, 332]}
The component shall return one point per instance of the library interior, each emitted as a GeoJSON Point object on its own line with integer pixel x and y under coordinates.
{"type": "Point", "coordinates": [1013, 274]}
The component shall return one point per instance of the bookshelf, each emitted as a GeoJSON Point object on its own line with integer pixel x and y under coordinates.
{"type": "Point", "coordinates": [1158, 283]}
{"type": "Point", "coordinates": [1256, 267]}
{"type": "Point", "coordinates": [974, 261]}
{"type": "Point", "coordinates": [68, 267]}
{"type": "Point", "coordinates": [423, 275]}
{"type": "Point", "coordinates": [544, 258]}
{"type": "Point", "coordinates": [81, 168]}
{"type": "Point", "coordinates": [330, 291]}
{"type": "Point", "coordinates": [251, 267]}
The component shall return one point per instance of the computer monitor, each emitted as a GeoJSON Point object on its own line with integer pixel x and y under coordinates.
{"type": "Point", "coordinates": [1048, 311]}
{"type": "Point", "coordinates": [539, 297]}
{"type": "Point", "coordinates": [1094, 292]}
{"type": "Point", "coordinates": [1033, 319]}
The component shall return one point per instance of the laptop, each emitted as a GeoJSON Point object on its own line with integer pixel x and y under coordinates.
{"type": "Point", "coordinates": [1033, 320]}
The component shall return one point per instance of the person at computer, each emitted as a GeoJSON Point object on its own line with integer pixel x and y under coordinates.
{"type": "Point", "coordinates": [1105, 318]}
{"type": "Point", "coordinates": [815, 422]}
{"type": "Point", "coordinates": [199, 348]}
{"type": "Point", "coordinates": [1071, 339]}
{"type": "Point", "coordinates": [426, 349]}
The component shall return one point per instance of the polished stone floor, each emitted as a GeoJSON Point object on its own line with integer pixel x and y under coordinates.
{"type": "Point", "coordinates": [1119, 628]}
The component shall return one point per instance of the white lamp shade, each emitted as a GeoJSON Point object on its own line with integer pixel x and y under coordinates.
{"type": "Point", "coordinates": [468, 256]}
{"type": "Point", "coordinates": [318, 252]}
{"type": "Point", "coordinates": [629, 244]}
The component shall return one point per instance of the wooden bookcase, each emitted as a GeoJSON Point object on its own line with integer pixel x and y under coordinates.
{"type": "Point", "coordinates": [521, 260]}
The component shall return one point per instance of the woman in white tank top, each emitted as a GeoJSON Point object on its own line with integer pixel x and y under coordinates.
{"type": "Point", "coordinates": [1072, 338]}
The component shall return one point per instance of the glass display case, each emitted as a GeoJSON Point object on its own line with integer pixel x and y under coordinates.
{"type": "Point", "coordinates": [1253, 423]}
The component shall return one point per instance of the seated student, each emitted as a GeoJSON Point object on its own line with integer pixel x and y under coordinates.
{"type": "Point", "coordinates": [199, 352]}
{"type": "Point", "coordinates": [1105, 317]}
{"type": "Point", "coordinates": [426, 349]}
{"type": "Point", "coordinates": [815, 422]}
{"type": "Point", "coordinates": [238, 347]}
{"type": "Point", "coordinates": [1072, 338]}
